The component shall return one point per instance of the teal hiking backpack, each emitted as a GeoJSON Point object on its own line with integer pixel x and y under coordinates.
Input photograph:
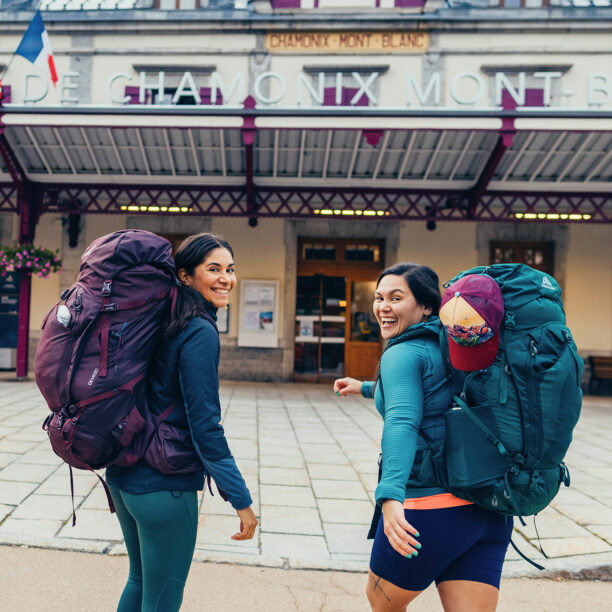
{"type": "Point", "coordinates": [511, 424]}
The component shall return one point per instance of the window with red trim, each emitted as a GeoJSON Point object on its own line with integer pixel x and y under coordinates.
{"type": "Point", "coordinates": [348, 93]}
{"type": "Point", "coordinates": [151, 96]}
{"type": "Point", "coordinates": [6, 94]}
{"type": "Point", "coordinates": [533, 97]}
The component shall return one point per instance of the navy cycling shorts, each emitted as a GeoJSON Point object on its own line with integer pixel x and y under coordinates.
{"type": "Point", "coordinates": [459, 543]}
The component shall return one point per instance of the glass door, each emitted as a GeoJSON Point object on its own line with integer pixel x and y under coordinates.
{"type": "Point", "coordinates": [320, 326]}
{"type": "Point", "coordinates": [363, 346]}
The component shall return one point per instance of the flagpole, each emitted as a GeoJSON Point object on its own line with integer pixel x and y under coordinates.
{"type": "Point", "coordinates": [13, 57]}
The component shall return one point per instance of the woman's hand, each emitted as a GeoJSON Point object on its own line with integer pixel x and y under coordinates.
{"type": "Point", "coordinates": [398, 529]}
{"type": "Point", "coordinates": [347, 386]}
{"type": "Point", "coordinates": [248, 523]}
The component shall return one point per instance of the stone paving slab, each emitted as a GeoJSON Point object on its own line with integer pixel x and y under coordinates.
{"type": "Point", "coordinates": [310, 461]}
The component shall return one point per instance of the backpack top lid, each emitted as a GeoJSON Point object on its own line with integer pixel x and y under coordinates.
{"type": "Point", "coordinates": [472, 310]}
{"type": "Point", "coordinates": [111, 253]}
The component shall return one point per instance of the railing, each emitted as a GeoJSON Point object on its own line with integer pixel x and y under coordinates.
{"type": "Point", "coordinates": [93, 5]}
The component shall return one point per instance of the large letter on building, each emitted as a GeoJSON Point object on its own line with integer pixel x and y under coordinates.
{"type": "Point", "coordinates": [502, 82]}
{"type": "Point", "coordinates": [472, 76]}
{"type": "Point", "coordinates": [187, 87]}
{"type": "Point", "coordinates": [603, 89]}
{"type": "Point", "coordinates": [548, 77]}
{"type": "Point", "coordinates": [364, 88]}
{"type": "Point", "coordinates": [305, 80]}
{"type": "Point", "coordinates": [67, 85]}
{"type": "Point", "coordinates": [142, 95]}
{"type": "Point", "coordinates": [432, 86]}
{"type": "Point", "coordinates": [109, 87]}
{"type": "Point", "coordinates": [26, 87]}
{"type": "Point", "coordinates": [216, 85]}
{"type": "Point", "coordinates": [269, 99]}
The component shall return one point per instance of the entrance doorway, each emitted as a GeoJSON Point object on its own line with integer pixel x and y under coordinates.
{"type": "Point", "coordinates": [336, 333]}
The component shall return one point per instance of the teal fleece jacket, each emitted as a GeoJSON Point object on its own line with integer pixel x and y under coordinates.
{"type": "Point", "coordinates": [417, 393]}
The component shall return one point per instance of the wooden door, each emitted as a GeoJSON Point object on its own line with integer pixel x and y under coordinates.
{"type": "Point", "coordinates": [363, 345]}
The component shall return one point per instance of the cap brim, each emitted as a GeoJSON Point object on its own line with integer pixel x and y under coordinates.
{"type": "Point", "coordinates": [471, 358]}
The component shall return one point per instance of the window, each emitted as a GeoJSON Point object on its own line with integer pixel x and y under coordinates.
{"type": "Point", "coordinates": [151, 96]}
{"type": "Point", "coordinates": [318, 251]}
{"type": "Point", "coordinates": [524, 75]}
{"type": "Point", "coordinates": [538, 255]}
{"type": "Point", "coordinates": [533, 97]}
{"type": "Point", "coordinates": [5, 97]}
{"type": "Point", "coordinates": [362, 252]}
{"type": "Point", "coordinates": [346, 96]}
{"type": "Point", "coordinates": [341, 251]}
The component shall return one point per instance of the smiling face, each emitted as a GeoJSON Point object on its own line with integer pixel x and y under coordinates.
{"type": "Point", "coordinates": [214, 278]}
{"type": "Point", "coordinates": [395, 307]}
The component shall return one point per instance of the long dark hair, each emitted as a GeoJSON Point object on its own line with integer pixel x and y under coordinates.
{"type": "Point", "coordinates": [421, 280]}
{"type": "Point", "coordinates": [190, 254]}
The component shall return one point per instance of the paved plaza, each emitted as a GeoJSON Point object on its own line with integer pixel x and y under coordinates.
{"type": "Point", "coordinates": [310, 460]}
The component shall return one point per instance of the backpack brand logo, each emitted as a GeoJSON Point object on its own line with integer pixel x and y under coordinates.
{"type": "Point", "coordinates": [547, 284]}
{"type": "Point", "coordinates": [93, 376]}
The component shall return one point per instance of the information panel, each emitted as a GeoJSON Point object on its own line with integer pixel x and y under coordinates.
{"type": "Point", "coordinates": [258, 314]}
{"type": "Point", "coordinates": [9, 309]}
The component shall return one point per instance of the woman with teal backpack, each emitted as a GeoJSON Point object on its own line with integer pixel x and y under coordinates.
{"type": "Point", "coordinates": [426, 534]}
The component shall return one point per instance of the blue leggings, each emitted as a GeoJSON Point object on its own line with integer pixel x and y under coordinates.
{"type": "Point", "coordinates": [160, 534]}
{"type": "Point", "coordinates": [459, 543]}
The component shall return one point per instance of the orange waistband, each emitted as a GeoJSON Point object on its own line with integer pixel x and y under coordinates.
{"type": "Point", "coordinates": [433, 502]}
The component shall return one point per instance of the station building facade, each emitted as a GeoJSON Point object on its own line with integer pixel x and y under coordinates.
{"type": "Point", "coordinates": [325, 141]}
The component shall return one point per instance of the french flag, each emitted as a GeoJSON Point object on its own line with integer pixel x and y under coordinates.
{"type": "Point", "coordinates": [36, 48]}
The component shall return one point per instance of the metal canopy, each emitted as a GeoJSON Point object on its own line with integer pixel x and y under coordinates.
{"type": "Point", "coordinates": [251, 163]}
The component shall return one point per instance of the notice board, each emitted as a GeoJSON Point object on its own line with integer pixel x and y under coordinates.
{"type": "Point", "coordinates": [259, 314]}
{"type": "Point", "coordinates": [9, 310]}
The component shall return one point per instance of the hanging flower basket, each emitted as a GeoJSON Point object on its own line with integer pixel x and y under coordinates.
{"type": "Point", "coordinates": [30, 258]}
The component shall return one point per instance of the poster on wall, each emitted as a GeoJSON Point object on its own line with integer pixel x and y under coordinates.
{"type": "Point", "coordinates": [258, 314]}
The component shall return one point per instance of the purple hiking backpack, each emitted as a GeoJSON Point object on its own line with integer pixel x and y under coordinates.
{"type": "Point", "coordinates": [95, 349]}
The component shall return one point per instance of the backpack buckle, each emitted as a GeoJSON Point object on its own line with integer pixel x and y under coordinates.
{"type": "Point", "coordinates": [106, 287]}
{"type": "Point", "coordinates": [65, 293]}
{"type": "Point", "coordinates": [111, 307]}
{"type": "Point", "coordinates": [69, 410]}
{"type": "Point", "coordinates": [510, 320]}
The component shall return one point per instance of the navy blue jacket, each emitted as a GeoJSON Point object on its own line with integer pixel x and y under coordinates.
{"type": "Point", "coordinates": [185, 373]}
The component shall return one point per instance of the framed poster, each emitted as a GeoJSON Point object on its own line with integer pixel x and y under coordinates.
{"type": "Point", "coordinates": [259, 314]}
{"type": "Point", "coordinates": [223, 315]}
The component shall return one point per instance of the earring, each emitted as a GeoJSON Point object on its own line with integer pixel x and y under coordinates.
{"type": "Point", "coordinates": [425, 317]}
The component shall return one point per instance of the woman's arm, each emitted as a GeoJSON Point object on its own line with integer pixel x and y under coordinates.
{"type": "Point", "coordinates": [402, 387]}
{"type": "Point", "coordinates": [198, 376]}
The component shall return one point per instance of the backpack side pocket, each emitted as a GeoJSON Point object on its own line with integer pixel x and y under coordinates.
{"type": "Point", "coordinates": [471, 458]}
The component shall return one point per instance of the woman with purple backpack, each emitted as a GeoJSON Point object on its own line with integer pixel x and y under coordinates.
{"type": "Point", "coordinates": [157, 506]}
